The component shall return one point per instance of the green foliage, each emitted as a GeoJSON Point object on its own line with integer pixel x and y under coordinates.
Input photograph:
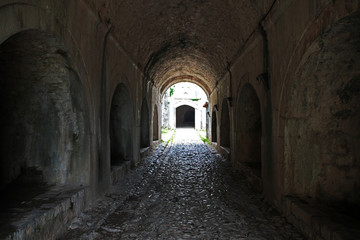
{"type": "Point", "coordinates": [166, 130]}
{"type": "Point", "coordinates": [204, 139]}
{"type": "Point", "coordinates": [171, 91]}
{"type": "Point", "coordinates": [171, 139]}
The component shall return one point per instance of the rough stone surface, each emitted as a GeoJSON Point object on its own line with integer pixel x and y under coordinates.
{"type": "Point", "coordinates": [300, 58]}
{"type": "Point", "coordinates": [322, 129]}
{"type": "Point", "coordinates": [40, 213]}
{"type": "Point", "coordinates": [187, 192]}
{"type": "Point", "coordinates": [44, 118]}
{"type": "Point", "coordinates": [184, 37]}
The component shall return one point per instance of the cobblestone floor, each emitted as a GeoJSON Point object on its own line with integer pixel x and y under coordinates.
{"type": "Point", "coordinates": [183, 191]}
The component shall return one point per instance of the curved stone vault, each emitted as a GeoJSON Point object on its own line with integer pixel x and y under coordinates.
{"type": "Point", "coordinates": [81, 87]}
{"type": "Point", "coordinates": [170, 39]}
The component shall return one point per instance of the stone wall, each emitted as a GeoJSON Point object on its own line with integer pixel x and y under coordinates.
{"type": "Point", "coordinates": [289, 93]}
{"type": "Point", "coordinates": [84, 65]}
{"type": "Point", "coordinates": [45, 119]}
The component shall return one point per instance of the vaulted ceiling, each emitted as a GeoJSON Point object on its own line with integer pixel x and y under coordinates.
{"type": "Point", "coordinates": [171, 39]}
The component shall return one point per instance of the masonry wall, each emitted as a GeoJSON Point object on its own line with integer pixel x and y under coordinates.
{"type": "Point", "coordinates": [98, 61]}
{"type": "Point", "coordinates": [296, 46]}
{"type": "Point", "coordinates": [288, 43]}
{"type": "Point", "coordinates": [299, 69]}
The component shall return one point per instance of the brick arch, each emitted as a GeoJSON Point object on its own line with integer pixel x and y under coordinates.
{"type": "Point", "coordinates": [185, 78]}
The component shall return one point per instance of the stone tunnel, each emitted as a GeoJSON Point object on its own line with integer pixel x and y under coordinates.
{"type": "Point", "coordinates": [81, 86]}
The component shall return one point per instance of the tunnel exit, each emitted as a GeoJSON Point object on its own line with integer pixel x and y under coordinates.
{"type": "Point", "coordinates": [183, 107]}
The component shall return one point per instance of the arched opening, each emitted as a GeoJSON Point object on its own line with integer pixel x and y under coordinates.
{"type": "Point", "coordinates": [121, 119]}
{"type": "Point", "coordinates": [184, 94]}
{"type": "Point", "coordinates": [155, 124]}
{"type": "Point", "coordinates": [185, 116]}
{"type": "Point", "coordinates": [322, 128]}
{"type": "Point", "coordinates": [213, 127]}
{"type": "Point", "coordinates": [44, 115]}
{"type": "Point", "coordinates": [144, 125]}
{"type": "Point", "coordinates": [225, 125]}
{"type": "Point", "coordinates": [249, 129]}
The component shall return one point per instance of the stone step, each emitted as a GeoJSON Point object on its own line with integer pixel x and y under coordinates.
{"type": "Point", "coordinates": [45, 215]}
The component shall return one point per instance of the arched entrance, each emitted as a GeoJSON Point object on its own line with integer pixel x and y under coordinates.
{"type": "Point", "coordinates": [185, 116]}
{"type": "Point", "coordinates": [155, 124]}
{"type": "Point", "coordinates": [121, 120]}
{"type": "Point", "coordinates": [248, 129]}
{"type": "Point", "coordinates": [225, 125]}
{"type": "Point", "coordinates": [44, 117]}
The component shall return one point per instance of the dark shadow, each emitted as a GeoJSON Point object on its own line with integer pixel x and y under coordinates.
{"type": "Point", "coordinates": [213, 127]}
{"type": "Point", "coordinates": [185, 116]}
{"type": "Point", "coordinates": [249, 129]}
{"type": "Point", "coordinates": [121, 121]}
{"type": "Point", "coordinates": [144, 125]}
{"type": "Point", "coordinates": [155, 124]}
{"type": "Point", "coordinates": [225, 125]}
{"type": "Point", "coordinates": [44, 123]}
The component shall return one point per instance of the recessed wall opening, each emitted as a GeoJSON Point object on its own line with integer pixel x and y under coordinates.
{"type": "Point", "coordinates": [121, 120]}
{"type": "Point", "coordinates": [322, 128]}
{"type": "Point", "coordinates": [45, 137]}
{"type": "Point", "coordinates": [213, 127]}
{"type": "Point", "coordinates": [185, 116]}
{"type": "Point", "coordinates": [155, 124]}
{"type": "Point", "coordinates": [144, 125]}
{"type": "Point", "coordinates": [225, 125]}
{"type": "Point", "coordinates": [249, 131]}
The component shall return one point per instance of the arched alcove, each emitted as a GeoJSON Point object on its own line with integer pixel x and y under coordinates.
{"type": "Point", "coordinates": [44, 115]}
{"type": "Point", "coordinates": [155, 124]}
{"type": "Point", "coordinates": [213, 127]}
{"type": "Point", "coordinates": [144, 125]}
{"type": "Point", "coordinates": [225, 125]}
{"type": "Point", "coordinates": [185, 116]}
{"type": "Point", "coordinates": [121, 126]}
{"type": "Point", "coordinates": [322, 127]}
{"type": "Point", "coordinates": [248, 130]}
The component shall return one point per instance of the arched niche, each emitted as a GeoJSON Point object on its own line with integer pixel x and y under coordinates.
{"type": "Point", "coordinates": [322, 127]}
{"type": "Point", "coordinates": [185, 116]}
{"type": "Point", "coordinates": [121, 126]}
{"type": "Point", "coordinates": [225, 125]}
{"type": "Point", "coordinates": [155, 124]}
{"type": "Point", "coordinates": [213, 127]}
{"type": "Point", "coordinates": [248, 129]}
{"type": "Point", "coordinates": [44, 119]}
{"type": "Point", "coordinates": [144, 125]}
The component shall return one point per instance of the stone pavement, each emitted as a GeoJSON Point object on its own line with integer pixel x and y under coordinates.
{"type": "Point", "coordinates": [183, 191]}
